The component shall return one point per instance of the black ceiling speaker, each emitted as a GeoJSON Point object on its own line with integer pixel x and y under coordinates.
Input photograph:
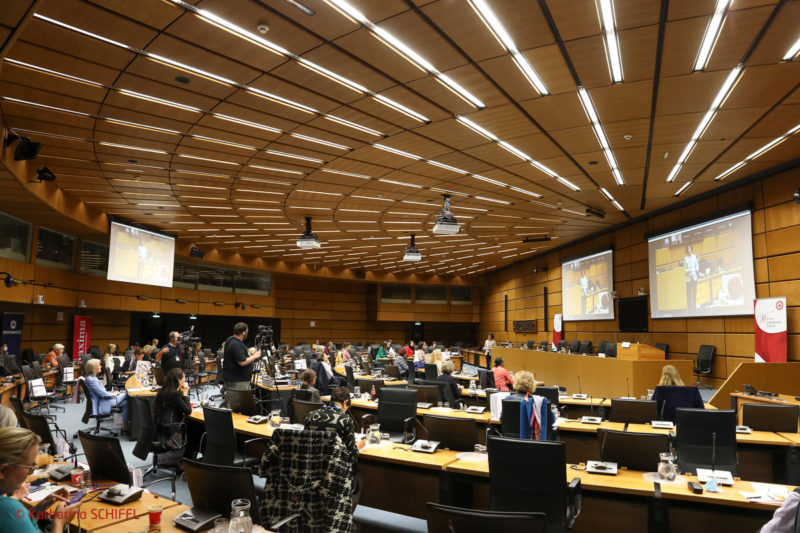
{"type": "Point", "coordinates": [44, 174]}
{"type": "Point", "coordinates": [360, 274]}
{"type": "Point", "coordinates": [26, 149]}
{"type": "Point", "coordinates": [196, 252]}
{"type": "Point", "coordinates": [797, 196]}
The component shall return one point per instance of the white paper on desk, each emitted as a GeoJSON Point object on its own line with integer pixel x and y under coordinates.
{"type": "Point", "coordinates": [766, 493]}
{"type": "Point", "coordinates": [42, 494]}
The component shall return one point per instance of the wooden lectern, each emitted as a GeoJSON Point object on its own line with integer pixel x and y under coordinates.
{"type": "Point", "coordinates": [640, 352]}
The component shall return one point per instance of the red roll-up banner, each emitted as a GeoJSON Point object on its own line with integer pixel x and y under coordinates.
{"type": "Point", "coordinates": [81, 335]}
{"type": "Point", "coordinates": [770, 330]}
{"type": "Point", "coordinates": [556, 329]}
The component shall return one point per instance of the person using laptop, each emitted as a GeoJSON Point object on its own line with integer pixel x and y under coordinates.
{"type": "Point", "coordinates": [401, 363]}
{"type": "Point", "coordinates": [103, 400]}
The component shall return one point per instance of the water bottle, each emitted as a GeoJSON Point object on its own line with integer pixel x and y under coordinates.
{"type": "Point", "coordinates": [240, 521]}
{"type": "Point", "coordinates": [372, 393]}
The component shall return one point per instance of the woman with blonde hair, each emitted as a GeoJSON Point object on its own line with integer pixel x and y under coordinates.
{"type": "Point", "coordinates": [435, 357]}
{"type": "Point", "coordinates": [524, 382]}
{"type": "Point", "coordinates": [670, 377]}
{"type": "Point", "coordinates": [18, 450]}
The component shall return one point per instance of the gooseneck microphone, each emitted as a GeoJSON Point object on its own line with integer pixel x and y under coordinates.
{"type": "Point", "coordinates": [628, 383]}
{"type": "Point", "coordinates": [663, 406]}
{"type": "Point", "coordinates": [579, 384]}
{"type": "Point", "coordinates": [713, 454]}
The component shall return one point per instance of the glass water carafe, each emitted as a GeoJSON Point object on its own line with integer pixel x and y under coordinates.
{"type": "Point", "coordinates": [240, 521]}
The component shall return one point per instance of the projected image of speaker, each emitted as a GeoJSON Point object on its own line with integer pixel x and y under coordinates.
{"type": "Point", "coordinates": [705, 269]}
{"type": "Point", "coordinates": [587, 285]}
{"type": "Point", "coordinates": [136, 255]}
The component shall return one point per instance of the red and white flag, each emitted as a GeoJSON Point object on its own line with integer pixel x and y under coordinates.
{"type": "Point", "coordinates": [556, 330]}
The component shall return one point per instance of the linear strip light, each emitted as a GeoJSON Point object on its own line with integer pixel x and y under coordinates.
{"type": "Point", "coordinates": [401, 183]}
{"type": "Point", "coordinates": [405, 51]}
{"type": "Point", "coordinates": [128, 147]}
{"type": "Point", "coordinates": [401, 108]}
{"type": "Point", "coordinates": [792, 52]}
{"type": "Point", "coordinates": [208, 159]}
{"type": "Point", "coordinates": [764, 149]}
{"type": "Point", "coordinates": [497, 29]}
{"type": "Point", "coordinates": [353, 125]}
{"type": "Point", "coordinates": [247, 123]}
{"type": "Point", "coordinates": [294, 156]}
{"type": "Point", "coordinates": [597, 126]}
{"type": "Point", "coordinates": [683, 188]}
{"type": "Point", "coordinates": [343, 173]}
{"type": "Point", "coordinates": [140, 126]}
{"type": "Point", "coordinates": [51, 72]}
{"type": "Point", "coordinates": [220, 141]}
{"type": "Point", "coordinates": [159, 100]}
{"type": "Point", "coordinates": [45, 106]}
{"type": "Point", "coordinates": [711, 35]}
{"type": "Point", "coordinates": [396, 151]}
{"type": "Point", "coordinates": [274, 169]}
{"type": "Point", "coordinates": [609, 26]}
{"type": "Point", "coordinates": [724, 91]}
{"type": "Point", "coordinates": [611, 199]}
{"type": "Point", "coordinates": [319, 141]}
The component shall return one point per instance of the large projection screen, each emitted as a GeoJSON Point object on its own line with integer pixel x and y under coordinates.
{"type": "Point", "coordinates": [140, 256]}
{"type": "Point", "coordinates": [586, 286]}
{"type": "Point", "coordinates": [703, 270]}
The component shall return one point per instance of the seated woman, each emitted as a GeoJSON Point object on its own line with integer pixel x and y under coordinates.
{"type": "Point", "coordinates": [435, 357]}
{"type": "Point", "coordinates": [18, 450]}
{"type": "Point", "coordinates": [502, 379]}
{"type": "Point", "coordinates": [672, 393]}
{"type": "Point", "coordinates": [170, 407]}
{"type": "Point", "coordinates": [140, 365]}
{"type": "Point", "coordinates": [52, 356]}
{"type": "Point", "coordinates": [419, 356]}
{"type": "Point", "coordinates": [103, 400]}
{"type": "Point", "coordinates": [335, 418]}
{"type": "Point", "coordinates": [446, 376]}
{"type": "Point", "coordinates": [309, 377]}
{"type": "Point", "coordinates": [534, 411]}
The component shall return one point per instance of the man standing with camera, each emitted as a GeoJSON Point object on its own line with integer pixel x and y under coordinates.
{"type": "Point", "coordinates": [237, 367]}
{"type": "Point", "coordinates": [170, 354]}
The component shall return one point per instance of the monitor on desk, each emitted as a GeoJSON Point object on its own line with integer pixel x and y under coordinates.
{"type": "Point", "coordinates": [300, 364]}
{"type": "Point", "coordinates": [636, 451]}
{"type": "Point", "coordinates": [105, 458]}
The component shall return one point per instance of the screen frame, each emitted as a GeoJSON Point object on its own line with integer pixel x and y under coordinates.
{"type": "Point", "coordinates": [121, 226]}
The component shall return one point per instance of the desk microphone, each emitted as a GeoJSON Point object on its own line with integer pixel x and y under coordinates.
{"type": "Point", "coordinates": [417, 423]}
{"type": "Point", "coordinates": [663, 406]}
{"type": "Point", "coordinates": [603, 447]}
{"type": "Point", "coordinates": [579, 384]}
{"type": "Point", "coordinates": [591, 405]}
{"type": "Point", "coordinates": [628, 383]}
{"type": "Point", "coordinates": [713, 453]}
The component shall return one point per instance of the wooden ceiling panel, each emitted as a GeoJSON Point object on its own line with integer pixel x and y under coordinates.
{"type": "Point", "coordinates": [469, 33]}
{"type": "Point", "coordinates": [557, 112]}
{"type": "Point", "coordinates": [13, 11]}
{"type": "Point", "coordinates": [15, 75]}
{"type": "Point", "coordinates": [550, 65]}
{"type": "Point", "coordinates": [729, 124]}
{"type": "Point", "coordinates": [576, 19]}
{"type": "Point", "coordinates": [635, 14]}
{"type": "Point", "coordinates": [155, 13]}
{"type": "Point", "coordinates": [778, 122]}
{"type": "Point", "coordinates": [738, 32]}
{"type": "Point", "coordinates": [165, 75]}
{"type": "Point", "coordinates": [703, 86]}
{"type": "Point", "coordinates": [684, 9]}
{"type": "Point", "coordinates": [780, 36]}
{"type": "Point", "coordinates": [589, 57]}
{"type": "Point", "coordinates": [622, 101]}
{"type": "Point", "coordinates": [638, 51]}
{"type": "Point", "coordinates": [54, 60]}
{"type": "Point", "coordinates": [765, 84]}
{"type": "Point", "coordinates": [437, 94]}
{"type": "Point", "coordinates": [98, 21]}
{"type": "Point", "coordinates": [682, 40]}
{"type": "Point", "coordinates": [362, 44]}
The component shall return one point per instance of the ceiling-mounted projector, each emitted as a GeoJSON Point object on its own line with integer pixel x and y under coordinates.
{"type": "Point", "coordinates": [411, 253]}
{"type": "Point", "coordinates": [308, 239]}
{"type": "Point", "coordinates": [446, 223]}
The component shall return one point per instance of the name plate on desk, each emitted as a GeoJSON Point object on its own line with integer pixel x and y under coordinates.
{"type": "Point", "coordinates": [626, 345]}
{"type": "Point", "coordinates": [602, 467]}
{"type": "Point", "coordinates": [662, 424]}
{"type": "Point", "coordinates": [591, 420]}
{"type": "Point", "coordinates": [579, 396]}
{"type": "Point", "coordinates": [743, 429]}
{"type": "Point", "coordinates": [425, 446]}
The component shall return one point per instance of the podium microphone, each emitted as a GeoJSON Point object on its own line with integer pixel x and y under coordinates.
{"type": "Point", "coordinates": [714, 454]}
{"type": "Point", "coordinates": [628, 383]}
{"type": "Point", "coordinates": [579, 384]}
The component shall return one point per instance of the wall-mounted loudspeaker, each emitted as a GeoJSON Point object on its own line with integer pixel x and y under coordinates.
{"type": "Point", "coordinates": [196, 252]}
{"type": "Point", "coordinates": [797, 196]}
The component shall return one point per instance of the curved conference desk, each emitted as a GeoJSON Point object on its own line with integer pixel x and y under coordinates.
{"type": "Point", "coordinates": [601, 377]}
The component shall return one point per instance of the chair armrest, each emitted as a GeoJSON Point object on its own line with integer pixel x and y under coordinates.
{"type": "Point", "coordinates": [410, 433]}
{"type": "Point", "coordinates": [254, 447]}
{"type": "Point", "coordinates": [573, 501]}
{"type": "Point", "coordinates": [278, 525]}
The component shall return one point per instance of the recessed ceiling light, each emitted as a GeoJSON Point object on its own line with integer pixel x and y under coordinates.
{"type": "Point", "coordinates": [711, 35]}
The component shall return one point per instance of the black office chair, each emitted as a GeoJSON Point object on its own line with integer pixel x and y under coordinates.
{"type": "Point", "coordinates": [704, 357]}
{"type": "Point", "coordinates": [633, 411]}
{"type": "Point", "coordinates": [509, 419]}
{"type": "Point", "coordinates": [397, 414]}
{"type": "Point", "coordinates": [543, 466]}
{"type": "Point", "coordinates": [220, 439]}
{"type": "Point", "coordinates": [551, 393]}
{"type": "Point", "coordinates": [158, 373]}
{"type": "Point", "coordinates": [43, 398]}
{"type": "Point", "coordinates": [40, 425]}
{"type": "Point", "coordinates": [635, 451]}
{"type": "Point", "coordinates": [366, 385]}
{"type": "Point", "coordinates": [350, 377]}
{"type": "Point", "coordinates": [574, 346]}
{"type": "Point", "coordinates": [530, 344]}
{"type": "Point", "coordinates": [458, 434]}
{"type": "Point", "coordinates": [669, 398]}
{"type": "Point", "coordinates": [601, 348]}
{"type": "Point", "coordinates": [611, 349]}
{"type": "Point", "coordinates": [241, 401]}
{"type": "Point", "coordinates": [431, 371]}
{"type": "Point", "coordinates": [149, 442]}
{"type": "Point", "coordinates": [427, 393]}
{"type": "Point", "coordinates": [765, 417]}
{"type": "Point", "coordinates": [89, 410]}
{"type": "Point", "coordinates": [393, 371]}
{"type": "Point", "coordinates": [585, 347]}
{"type": "Point", "coordinates": [695, 439]}
{"type": "Point", "coordinates": [663, 347]}
{"type": "Point", "coordinates": [445, 391]}
{"type": "Point", "coordinates": [447, 519]}
{"type": "Point", "coordinates": [206, 481]}
{"type": "Point", "coordinates": [302, 408]}
{"type": "Point", "coordinates": [19, 410]}
{"type": "Point", "coordinates": [105, 458]}
{"type": "Point", "coordinates": [563, 344]}
{"type": "Point", "coordinates": [543, 345]}
{"type": "Point", "coordinates": [485, 378]}
{"type": "Point", "coordinates": [365, 368]}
